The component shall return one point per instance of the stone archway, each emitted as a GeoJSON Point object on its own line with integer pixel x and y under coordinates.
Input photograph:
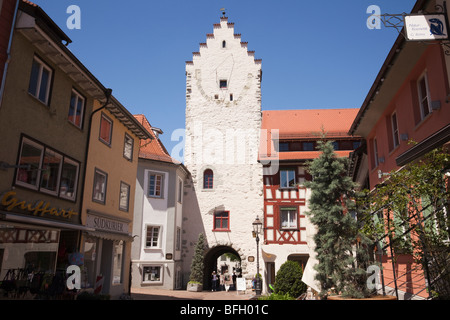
{"type": "Point", "coordinates": [210, 261]}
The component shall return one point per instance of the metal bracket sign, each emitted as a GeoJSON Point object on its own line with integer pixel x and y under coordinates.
{"type": "Point", "coordinates": [426, 27]}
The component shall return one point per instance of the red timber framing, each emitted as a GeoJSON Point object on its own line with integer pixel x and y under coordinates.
{"type": "Point", "coordinates": [284, 208]}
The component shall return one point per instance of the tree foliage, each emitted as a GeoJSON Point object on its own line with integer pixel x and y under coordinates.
{"type": "Point", "coordinates": [288, 280]}
{"type": "Point", "coordinates": [197, 261]}
{"type": "Point", "coordinates": [409, 211]}
{"type": "Point", "coordinates": [331, 208]}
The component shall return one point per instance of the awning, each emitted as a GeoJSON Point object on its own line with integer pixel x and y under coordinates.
{"type": "Point", "coordinates": [42, 222]}
{"type": "Point", "coordinates": [110, 236]}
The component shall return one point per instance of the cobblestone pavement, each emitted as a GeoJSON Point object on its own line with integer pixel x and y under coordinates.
{"type": "Point", "coordinates": [160, 294]}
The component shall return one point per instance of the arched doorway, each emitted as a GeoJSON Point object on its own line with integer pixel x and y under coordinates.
{"type": "Point", "coordinates": [210, 263]}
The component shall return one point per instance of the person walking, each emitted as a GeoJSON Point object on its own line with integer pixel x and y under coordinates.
{"type": "Point", "coordinates": [214, 281]}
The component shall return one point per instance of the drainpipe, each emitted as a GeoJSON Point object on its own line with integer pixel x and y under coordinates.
{"type": "Point", "coordinates": [108, 93]}
{"type": "Point", "coordinates": [8, 52]}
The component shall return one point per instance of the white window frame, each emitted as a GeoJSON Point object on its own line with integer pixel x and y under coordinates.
{"type": "Point", "coordinates": [158, 239]}
{"type": "Point", "coordinates": [395, 131]}
{"type": "Point", "coordinates": [42, 66]}
{"type": "Point", "coordinates": [290, 211]}
{"type": "Point", "coordinates": [78, 97]}
{"type": "Point", "coordinates": [424, 77]}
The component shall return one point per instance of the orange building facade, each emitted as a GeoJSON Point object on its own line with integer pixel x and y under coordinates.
{"type": "Point", "coordinates": [408, 102]}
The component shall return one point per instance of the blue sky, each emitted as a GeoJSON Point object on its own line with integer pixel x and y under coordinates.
{"type": "Point", "coordinates": [314, 54]}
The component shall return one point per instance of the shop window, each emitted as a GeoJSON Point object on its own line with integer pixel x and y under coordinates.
{"type": "Point", "coordinates": [69, 179]}
{"type": "Point", "coordinates": [128, 147]}
{"type": "Point", "coordinates": [152, 237]}
{"type": "Point", "coordinates": [76, 109]}
{"type": "Point", "coordinates": [105, 130]}
{"type": "Point", "coordinates": [46, 170]}
{"type": "Point", "coordinates": [51, 172]}
{"type": "Point", "coordinates": [40, 80]}
{"type": "Point", "coordinates": [124, 198]}
{"type": "Point", "coordinates": [90, 254]}
{"type": "Point", "coordinates": [287, 178]}
{"type": "Point", "coordinates": [118, 262]}
{"type": "Point", "coordinates": [222, 221]}
{"type": "Point", "coordinates": [30, 163]}
{"type": "Point", "coordinates": [151, 274]}
{"type": "Point", "coordinates": [99, 190]}
{"type": "Point", "coordinates": [208, 179]}
{"type": "Point", "coordinates": [155, 184]}
{"type": "Point", "coordinates": [288, 218]}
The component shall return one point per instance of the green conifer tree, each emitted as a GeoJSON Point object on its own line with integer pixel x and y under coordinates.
{"type": "Point", "coordinates": [330, 208]}
{"type": "Point", "coordinates": [197, 261]}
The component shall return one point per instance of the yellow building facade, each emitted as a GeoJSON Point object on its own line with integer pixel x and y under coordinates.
{"type": "Point", "coordinates": [108, 198]}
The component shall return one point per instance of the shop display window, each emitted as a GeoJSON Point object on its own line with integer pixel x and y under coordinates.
{"type": "Point", "coordinates": [118, 262]}
{"type": "Point", "coordinates": [151, 274]}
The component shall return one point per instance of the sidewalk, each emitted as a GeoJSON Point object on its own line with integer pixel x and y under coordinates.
{"type": "Point", "coordinates": [160, 294]}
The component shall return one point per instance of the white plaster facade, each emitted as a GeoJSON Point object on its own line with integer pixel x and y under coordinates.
{"type": "Point", "coordinates": [222, 134]}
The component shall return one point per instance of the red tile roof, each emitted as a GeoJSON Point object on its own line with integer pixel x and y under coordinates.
{"type": "Point", "coordinates": [153, 149]}
{"type": "Point", "coordinates": [306, 125]}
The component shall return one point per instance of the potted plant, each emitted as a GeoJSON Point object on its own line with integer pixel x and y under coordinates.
{"type": "Point", "coordinates": [342, 251]}
{"type": "Point", "coordinates": [195, 283]}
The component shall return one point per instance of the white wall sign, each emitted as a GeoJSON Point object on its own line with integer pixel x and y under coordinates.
{"type": "Point", "coordinates": [104, 224]}
{"type": "Point", "coordinates": [426, 27]}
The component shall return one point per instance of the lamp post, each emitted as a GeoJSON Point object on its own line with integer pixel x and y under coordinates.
{"type": "Point", "coordinates": [257, 226]}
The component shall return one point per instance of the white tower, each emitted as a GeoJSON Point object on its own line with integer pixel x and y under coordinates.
{"type": "Point", "coordinates": [223, 121]}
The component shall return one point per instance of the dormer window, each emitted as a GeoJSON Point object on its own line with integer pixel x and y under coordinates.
{"type": "Point", "coordinates": [223, 84]}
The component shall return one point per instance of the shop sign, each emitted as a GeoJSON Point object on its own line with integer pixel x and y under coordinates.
{"type": "Point", "coordinates": [105, 224]}
{"type": "Point", "coordinates": [40, 208]}
{"type": "Point", "coordinates": [426, 27]}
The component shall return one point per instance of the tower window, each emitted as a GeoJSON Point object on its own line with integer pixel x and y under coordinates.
{"type": "Point", "coordinates": [208, 179]}
{"type": "Point", "coordinates": [231, 97]}
{"type": "Point", "coordinates": [224, 44]}
{"type": "Point", "coordinates": [223, 84]}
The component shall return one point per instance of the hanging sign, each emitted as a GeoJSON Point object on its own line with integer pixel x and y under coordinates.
{"type": "Point", "coordinates": [426, 27]}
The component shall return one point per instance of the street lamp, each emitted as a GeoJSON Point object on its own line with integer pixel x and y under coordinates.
{"type": "Point", "coordinates": [257, 226]}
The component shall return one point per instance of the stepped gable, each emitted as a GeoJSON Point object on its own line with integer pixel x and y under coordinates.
{"type": "Point", "coordinates": [211, 37]}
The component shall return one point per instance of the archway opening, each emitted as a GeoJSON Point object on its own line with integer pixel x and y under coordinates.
{"type": "Point", "coordinates": [221, 259]}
